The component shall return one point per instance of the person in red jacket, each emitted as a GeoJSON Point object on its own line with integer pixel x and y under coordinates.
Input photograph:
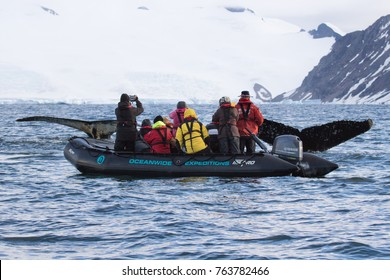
{"type": "Point", "coordinates": [250, 117]}
{"type": "Point", "coordinates": [160, 138]}
{"type": "Point", "coordinates": [146, 126]}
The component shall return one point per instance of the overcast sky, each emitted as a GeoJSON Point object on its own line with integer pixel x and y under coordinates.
{"type": "Point", "coordinates": [348, 15]}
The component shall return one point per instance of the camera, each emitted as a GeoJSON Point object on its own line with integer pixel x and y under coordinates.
{"type": "Point", "coordinates": [133, 98]}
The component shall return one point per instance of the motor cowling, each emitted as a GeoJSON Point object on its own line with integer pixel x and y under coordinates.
{"type": "Point", "coordinates": [288, 147]}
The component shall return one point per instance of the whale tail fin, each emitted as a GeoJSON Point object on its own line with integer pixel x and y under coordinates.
{"type": "Point", "coordinates": [95, 129]}
{"type": "Point", "coordinates": [316, 138]}
{"type": "Point", "coordinates": [326, 136]}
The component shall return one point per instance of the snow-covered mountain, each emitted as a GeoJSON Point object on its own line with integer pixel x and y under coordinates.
{"type": "Point", "coordinates": [195, 50]}
{"type": "Point", "coordinates": [357, 70]}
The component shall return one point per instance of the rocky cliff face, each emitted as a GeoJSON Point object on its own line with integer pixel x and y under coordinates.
{"type": "Point", "coordinates": [324, 30]}
{"type": "Point", "coordinates": [357, 70]}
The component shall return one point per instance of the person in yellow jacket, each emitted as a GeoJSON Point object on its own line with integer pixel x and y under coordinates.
{"type": "Point", "coordinates": [192, 135]}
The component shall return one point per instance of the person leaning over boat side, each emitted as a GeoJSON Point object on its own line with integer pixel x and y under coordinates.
{"type": "Point", "coordinates": [178, 115]}
{"type": "Point", "coordinates": [169, 124]}
{"type": "Point", "coordinates": [126, 128]}
{"type": "Point", "coordinates": [160, 138]}
{"type": "Point", "coordinates": [192, 135]}
{"type": "Point", "coordinates": [250, 117]}
{"type": "Point", "coordinates": [228, 136]}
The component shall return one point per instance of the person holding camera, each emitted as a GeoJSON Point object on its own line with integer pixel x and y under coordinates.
{"type": "Point", "coordinates": [126, 128]}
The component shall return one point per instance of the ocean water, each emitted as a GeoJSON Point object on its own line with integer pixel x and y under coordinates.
{"type": "Point", "coordinates": [48, 210]}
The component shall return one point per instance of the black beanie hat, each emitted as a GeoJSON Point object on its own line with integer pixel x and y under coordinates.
{"type": "Point", "coordinates": [146, 122]}
{"type": "Point", "coordinates": [158, 118]}
{"type": "Point", "coordinates": [125, 97]}
{"type": "Point", "coordinates": [181, 105]}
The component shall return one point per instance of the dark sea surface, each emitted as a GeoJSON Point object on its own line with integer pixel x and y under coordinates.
{"type": "Point", "coordinates": [48, 210]}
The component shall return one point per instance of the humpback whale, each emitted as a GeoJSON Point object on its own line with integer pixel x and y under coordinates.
{"type": "Point", "coordinates": [316, 138]}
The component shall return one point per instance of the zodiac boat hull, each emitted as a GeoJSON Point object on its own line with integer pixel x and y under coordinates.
{"type": "Point", "coordinates": [91, 156]}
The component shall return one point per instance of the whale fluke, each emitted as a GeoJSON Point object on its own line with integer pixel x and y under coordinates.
{"type": "Point", "coordinates": [96, 129]}
{"type": "Point", "coordinates": [316, 138]}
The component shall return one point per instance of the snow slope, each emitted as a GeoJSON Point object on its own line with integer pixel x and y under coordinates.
{"type": "Point", "coordinates": [93, 50]}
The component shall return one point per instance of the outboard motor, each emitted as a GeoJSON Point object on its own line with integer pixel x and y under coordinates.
{"type": "Point", "coordinates": [288, 147]}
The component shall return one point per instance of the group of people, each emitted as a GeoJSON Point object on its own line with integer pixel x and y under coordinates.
{"type": "Point", "coordinates": [235, 123]}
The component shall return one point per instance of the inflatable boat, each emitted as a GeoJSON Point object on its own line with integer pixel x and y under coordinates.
{"type": "Point", "coordinates": [94, 156]}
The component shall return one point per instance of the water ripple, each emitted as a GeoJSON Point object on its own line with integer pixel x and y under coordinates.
{"type": "Point", "coordinates": [51, 211]}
